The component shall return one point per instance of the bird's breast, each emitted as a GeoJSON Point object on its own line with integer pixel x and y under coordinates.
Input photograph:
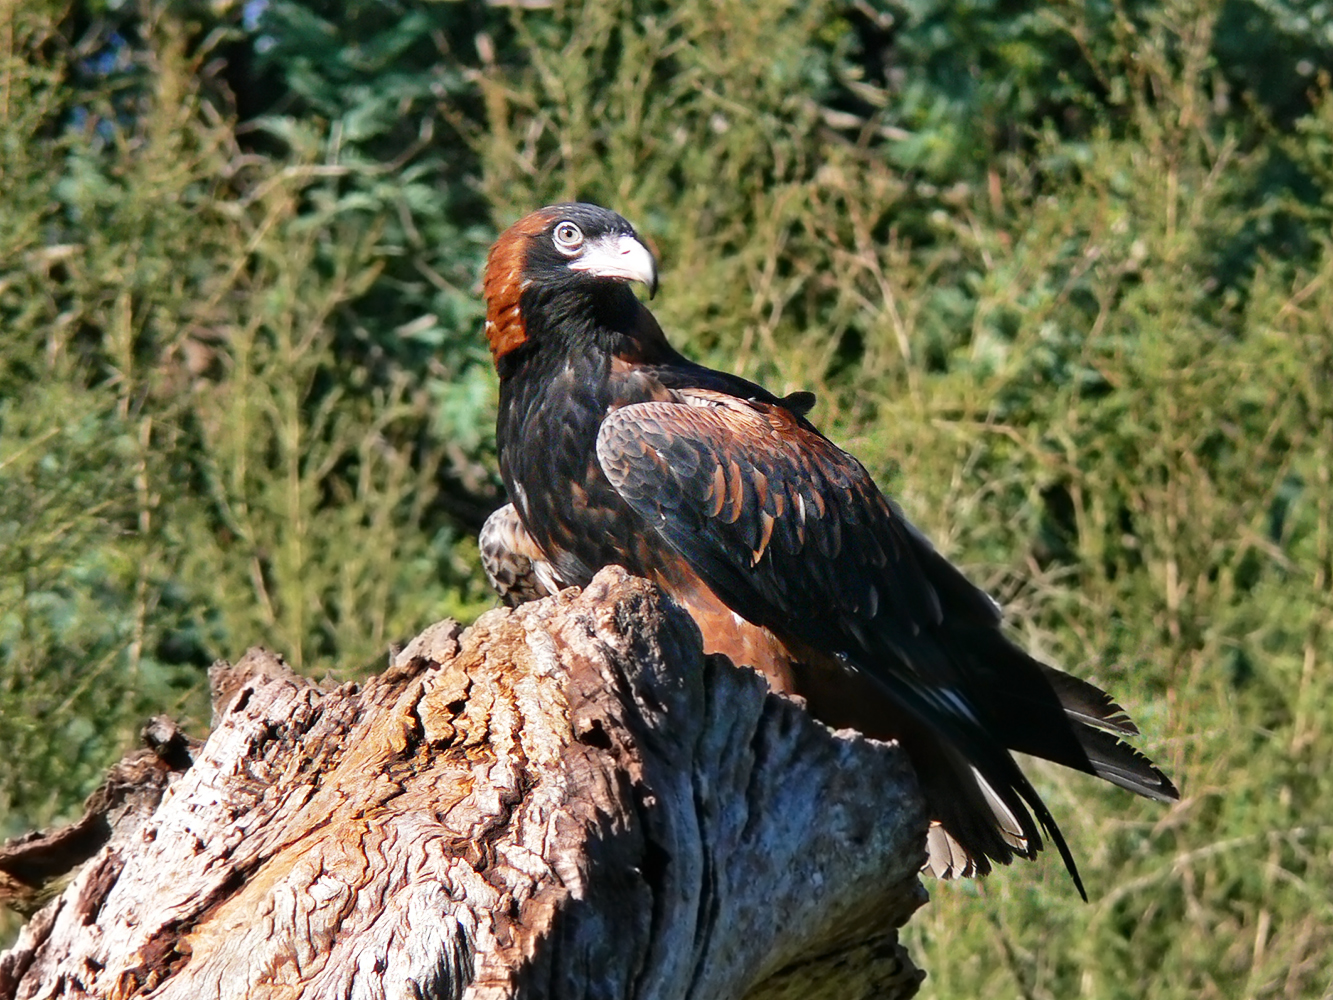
{"type": "Point", "coordinates": [547, 437]}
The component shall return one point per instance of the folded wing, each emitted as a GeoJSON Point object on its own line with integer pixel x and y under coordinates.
{"type": "Point", "coordinates": [792, 533]}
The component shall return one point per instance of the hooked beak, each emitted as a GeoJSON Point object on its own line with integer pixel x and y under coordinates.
{"type": "Point", "coordinates": [620, 257]}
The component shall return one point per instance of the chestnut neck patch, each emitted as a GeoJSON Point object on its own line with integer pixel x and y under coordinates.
{"type": "Point", "coordinates": [503, 283]}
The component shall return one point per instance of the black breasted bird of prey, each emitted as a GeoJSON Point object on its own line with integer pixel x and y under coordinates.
{"type": "Point", "coordinates": [616, 449]}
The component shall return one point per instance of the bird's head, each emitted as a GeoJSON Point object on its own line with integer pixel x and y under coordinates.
{"type": "Point", "coordinates": [574, 249]}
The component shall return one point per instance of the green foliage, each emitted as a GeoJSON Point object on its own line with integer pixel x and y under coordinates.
{"type": "Point", "coordinates": [1061, 276]}
{"type": "Point", "coordinates": [191, 460]}
{"type": "Point", "coordinates": [381, 92]}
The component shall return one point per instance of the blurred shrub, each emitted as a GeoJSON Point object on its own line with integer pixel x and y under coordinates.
{"type": "Point", "coordinates": [192, 458]}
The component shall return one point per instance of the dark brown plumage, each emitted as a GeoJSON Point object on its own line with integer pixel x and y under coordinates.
{"type": "Point", "coordinates": [615, 449]}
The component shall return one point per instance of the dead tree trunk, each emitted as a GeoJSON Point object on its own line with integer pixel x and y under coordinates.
{"type": "Point", "coordinates": [566, 800]}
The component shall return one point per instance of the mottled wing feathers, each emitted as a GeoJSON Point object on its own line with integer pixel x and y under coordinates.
{"type": "Point", "coordinates": [774, 516]}
{"type": "Point", "coordinates": [514, 563]}
{"type": "Point", "coordinates": [793, 534]}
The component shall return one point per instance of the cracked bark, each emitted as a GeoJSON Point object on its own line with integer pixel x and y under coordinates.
{"type": "Point", "coordinates": [565, 800]}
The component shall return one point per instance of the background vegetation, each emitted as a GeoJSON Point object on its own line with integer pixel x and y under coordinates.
{"type": "Point", "coordinates": [1061, 274]}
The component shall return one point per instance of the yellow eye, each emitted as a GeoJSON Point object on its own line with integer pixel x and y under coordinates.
{"type": "Point", "coordinates": [568, 238]}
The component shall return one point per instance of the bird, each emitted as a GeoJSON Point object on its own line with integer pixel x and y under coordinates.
{"type": "Point", "coordinates": [616, 449]}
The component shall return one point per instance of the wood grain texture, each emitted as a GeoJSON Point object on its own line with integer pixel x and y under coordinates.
{"type": "Point", "coordinates": [567, 799]}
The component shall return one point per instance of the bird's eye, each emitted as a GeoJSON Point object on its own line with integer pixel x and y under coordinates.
{"type": "Point", "coordinates": [568, 238]}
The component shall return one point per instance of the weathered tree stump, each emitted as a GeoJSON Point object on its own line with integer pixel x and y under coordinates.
{"type": "Point", "coordinates": [565, 800]}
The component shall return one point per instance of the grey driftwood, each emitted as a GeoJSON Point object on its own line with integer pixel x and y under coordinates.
{"type": "Point", "coordinates": [564, 800]}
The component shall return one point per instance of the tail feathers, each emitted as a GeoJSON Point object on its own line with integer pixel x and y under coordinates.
{"type": "Point", "coordinates": [947, 858]}
{"type": "Point", "coordinates": [1123, 765]}
{"type": "Point", "coordinates": [1008, 824]}
{"type": "Point", "coordinates": [990, 698]}
{"type": "Point", "coordinates": [1087, 703]}
{"type": "Point", "coordinates": [1096, 722]}
{"type": "Point", "coordinates": [1035, 709]}
{"type": "Point", "coordinates": [984, 808]}
{"type": "Point", "coordinates": [1048, 824]}
{"type": "Point", "coordinates": [977, 820]}
{"type": "Point", "coordinates": [971, 825]}
{"type": "Point", "coordinates": [1003, 783]}
{"type": "Point", "coordinates": [1039, 710]}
